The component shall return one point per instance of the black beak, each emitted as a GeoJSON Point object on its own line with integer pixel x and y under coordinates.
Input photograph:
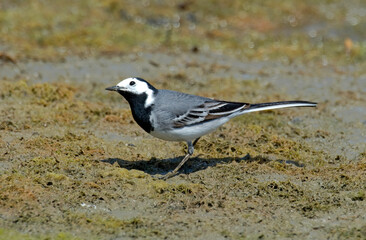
{"type": "Point", "coordinates": [114, 88]}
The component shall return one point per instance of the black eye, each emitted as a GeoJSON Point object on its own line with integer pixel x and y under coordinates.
{"type": "Point", "coordinates": [132, 83]}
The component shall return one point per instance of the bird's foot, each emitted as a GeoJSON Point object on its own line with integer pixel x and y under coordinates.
{"type": "Point", "coordinates": [168, 175]}
{"type": "Point", "coordinates": [175, 171]}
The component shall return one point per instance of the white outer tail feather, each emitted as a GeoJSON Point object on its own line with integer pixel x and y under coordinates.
{"type": "Point", "coordinates": [257, 107]}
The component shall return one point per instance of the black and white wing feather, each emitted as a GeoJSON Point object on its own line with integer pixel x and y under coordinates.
{"type": "Point", "coordinates": [209, 110]}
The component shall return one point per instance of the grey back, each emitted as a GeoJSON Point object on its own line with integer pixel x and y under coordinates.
{"type": "Point", "coordinates": [169, 105]}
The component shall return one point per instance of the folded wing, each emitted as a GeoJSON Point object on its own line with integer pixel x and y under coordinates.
{"type": "Point", "coordinates": [209, 110]}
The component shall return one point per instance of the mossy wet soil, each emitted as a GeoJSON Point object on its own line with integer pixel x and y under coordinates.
{"type": "Point", "coordinates": [75, 165]}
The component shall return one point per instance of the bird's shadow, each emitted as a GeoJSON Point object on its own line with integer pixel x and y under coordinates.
{"type": "Point", "coordinates": [163, 166]}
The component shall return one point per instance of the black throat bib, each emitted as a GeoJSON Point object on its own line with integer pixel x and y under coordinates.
{"type": "Point", "coordinates": [140, 113]}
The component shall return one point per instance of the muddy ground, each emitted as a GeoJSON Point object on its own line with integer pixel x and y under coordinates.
{"type": "Point", "coordinates": [74, 164]}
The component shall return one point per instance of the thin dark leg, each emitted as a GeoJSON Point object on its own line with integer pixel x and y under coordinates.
{"type": "Point", "coordinates": [185, 159]}
{"type": "Point", "coordinates": [195, 141]}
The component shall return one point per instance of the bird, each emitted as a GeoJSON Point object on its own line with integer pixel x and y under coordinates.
{"type": "Point", "coordinates": [177, 116]}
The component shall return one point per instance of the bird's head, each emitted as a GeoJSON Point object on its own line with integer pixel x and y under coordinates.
{"type": "Point", "coordinates": [135, 86]}
{"type": "Point", "coordinates": [134, 89]}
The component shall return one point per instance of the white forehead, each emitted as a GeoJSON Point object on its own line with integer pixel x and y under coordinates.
{"type": "Point", "coordinates": [138, 87]}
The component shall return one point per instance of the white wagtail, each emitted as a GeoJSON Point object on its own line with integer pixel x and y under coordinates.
{"type": "Point", "coordinates": [176, 116]}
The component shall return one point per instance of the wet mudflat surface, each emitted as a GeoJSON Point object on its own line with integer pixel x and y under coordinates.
{"type": "Point", "coordinates": [74, 164]}
{"type": "Point", "coordinates": [72, 157]}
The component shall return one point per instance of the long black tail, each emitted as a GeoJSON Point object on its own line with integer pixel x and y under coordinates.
{"type": "Point", "coordinates": [274, 105]}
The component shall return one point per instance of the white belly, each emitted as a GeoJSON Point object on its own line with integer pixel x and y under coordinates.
{"type": "Point", "coordinates": [189, 133]}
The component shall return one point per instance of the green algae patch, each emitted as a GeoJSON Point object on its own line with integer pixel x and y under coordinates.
{"type": "Point", "coordinates": [358, 196]}
{"type": "Point", "coordinates": [56, 177]}
{"type": "Point", "coordinates": [122, 173]}
{"type": "Point", "coordinates": [297, 196]}
{"type": "Point", "coordinates": [103, 224]}
{"type": "Point", "coordinates": [47, 93]}
{"type": "Point", "coordinates": [19, 89]}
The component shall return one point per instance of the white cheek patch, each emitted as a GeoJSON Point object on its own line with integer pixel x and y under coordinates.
{"type": "Point", "coordinates": [150, 97]}
{"type": "Point", "coordinates": [140, 87]}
